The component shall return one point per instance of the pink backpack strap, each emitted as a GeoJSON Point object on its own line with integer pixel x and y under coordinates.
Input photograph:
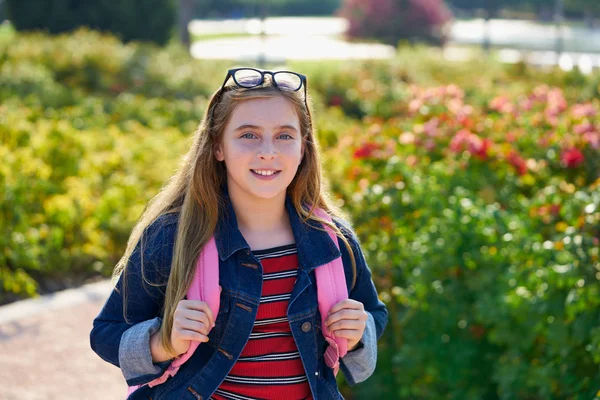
{"type": "Point", "coordinates": [331, 289]}
{"type": "Point", "coordinates": [205, 287]}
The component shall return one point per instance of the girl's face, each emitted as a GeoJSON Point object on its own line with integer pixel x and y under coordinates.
{"type": "Point", "coordinates": [262, 136]}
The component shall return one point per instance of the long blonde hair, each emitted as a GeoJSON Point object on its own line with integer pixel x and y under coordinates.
{"type": "Point", "coordinates": [195, 192]}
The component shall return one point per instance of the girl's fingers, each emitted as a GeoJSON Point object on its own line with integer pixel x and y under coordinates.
{"type": "Point", "coordinates": [186, 334]}
{"type": "Point", "coordinates": [192, 325]}
{"type": "Point", "coordinates": [200, 306]}
{"type": "Point", "coordinates": [346, 314]}
{"type": "Point", "coordinates": [196, 315]}
{"type": "Point", "coordinates": [349, 304]}
{"type": "Point", "coordinates": [347, 324]}
{"type": "Point", "coordinates": [348, 334]}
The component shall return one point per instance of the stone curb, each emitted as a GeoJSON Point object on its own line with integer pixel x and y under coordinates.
{"type": "Point", "coordinates": [92, 292]}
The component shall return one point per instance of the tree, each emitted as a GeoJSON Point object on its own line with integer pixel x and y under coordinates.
{"type": "Point", "coordinates": [146, 20]}
{"type": "Point", "coordinates": [589, 9]}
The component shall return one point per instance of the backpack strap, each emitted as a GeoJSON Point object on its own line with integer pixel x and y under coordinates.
{"type": "Point", "coordinates": [331, 289]}
{"type": "Point", "coordinates": [205, 287]}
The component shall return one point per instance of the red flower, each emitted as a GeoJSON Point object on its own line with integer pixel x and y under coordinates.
{"type": "Point", "coordinates": [335, 100]}
{"type": "Point", "coordinates": [366, 150]}
{"type": "Point", "coordinates": [517, 162]}
{"type": "Point", "coordinates": [572, 158]}
{"type": "Point", "coordinates": [479, 148]}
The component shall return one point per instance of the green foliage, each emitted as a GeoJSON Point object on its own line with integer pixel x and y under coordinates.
{"type": "Point", "coordinates": [82, 119]}
{"type": "Point", "coordinates": [146, 20]}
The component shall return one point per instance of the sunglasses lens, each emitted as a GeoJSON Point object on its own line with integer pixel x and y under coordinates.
{"type": "Point", "coordinates": [288, 81]}
{"type": "Point", "coordinates": [247, 78]}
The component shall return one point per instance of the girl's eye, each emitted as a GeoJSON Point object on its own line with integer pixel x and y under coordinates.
{"type": "Point", "coordinates": [285, 136]}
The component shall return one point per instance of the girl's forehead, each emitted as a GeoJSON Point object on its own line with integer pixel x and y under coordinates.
{"type": "Point", "coordinates": [264, 112]}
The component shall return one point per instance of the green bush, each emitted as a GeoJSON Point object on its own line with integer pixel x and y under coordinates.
{"type": "Point", "coordinates": [145, 20]}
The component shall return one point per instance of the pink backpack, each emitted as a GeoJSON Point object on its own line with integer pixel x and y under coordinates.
{"type": "Point", "coordinates": [331, 289]}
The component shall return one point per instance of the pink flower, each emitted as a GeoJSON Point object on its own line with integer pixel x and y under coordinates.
{"type": "Point", "coordinates": [572, 158]}
{"type": "Point", "coordinates": [431, 127]}
{"type": "Point", "coordinates": [474, 144]}
{"type": "Point", "coordinates": [459, 140]}
{"type": "Point", "coordinates": [415, 105]}
{"type": "Point", "coordinates": [583, 128]}
{"type": "Point", "coordinates": [526, 104]}
{"type": "Point", "coordinates": [593, 138]}
{"type": "Point", "coordinates": [583, 110]}
{"type": "Point", "coordinates": [429, 145]}
{"type": "Point", "coordinates": [502, 105]}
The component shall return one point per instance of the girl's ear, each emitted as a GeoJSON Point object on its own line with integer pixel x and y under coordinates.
{"type": "Point", "coordinates": [218, 150]}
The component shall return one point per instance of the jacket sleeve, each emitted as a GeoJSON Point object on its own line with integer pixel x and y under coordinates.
{"type": "Point", "coordinates": [125, 343]}
{"type": "Point", "coordinates": [359, 364]}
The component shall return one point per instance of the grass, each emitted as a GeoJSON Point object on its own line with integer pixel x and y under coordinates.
{"type": "Point", "coordinates": [197, 38]}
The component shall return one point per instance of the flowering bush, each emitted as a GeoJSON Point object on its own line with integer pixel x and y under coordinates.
{"type": "Point", "coordinates": [392, 20]}
{"type": "Point", "coordinates": [482, 226]}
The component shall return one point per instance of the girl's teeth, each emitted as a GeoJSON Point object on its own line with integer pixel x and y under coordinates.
{"type": "Point", "coordinates": [264, 173]}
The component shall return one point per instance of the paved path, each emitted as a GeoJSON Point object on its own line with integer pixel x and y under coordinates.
{"type": "Point", "coordinates": [46, 353]}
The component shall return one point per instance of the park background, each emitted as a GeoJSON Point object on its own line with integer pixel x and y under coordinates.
{"type": "Point", "coordinates": [462, 138]}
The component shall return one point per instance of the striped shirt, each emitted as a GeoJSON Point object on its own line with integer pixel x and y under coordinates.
{"type": "Point", "coordinates": [270, 366]}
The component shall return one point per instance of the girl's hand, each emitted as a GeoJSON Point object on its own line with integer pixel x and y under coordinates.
{"type": "Point", "coordinates": [347, 319]}
{"type": "Point", "coordinates": [192, 320]}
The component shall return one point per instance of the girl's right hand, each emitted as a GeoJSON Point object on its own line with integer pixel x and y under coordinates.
{"type": "Point", "coordinates": [192, 320]}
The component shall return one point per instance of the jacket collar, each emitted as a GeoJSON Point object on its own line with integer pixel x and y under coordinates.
{"type": "Point", "coordinates": [315, 247]}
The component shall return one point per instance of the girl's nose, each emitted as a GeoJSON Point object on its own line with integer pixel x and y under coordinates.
{"type": "Point", "coordinates": [267, 150]}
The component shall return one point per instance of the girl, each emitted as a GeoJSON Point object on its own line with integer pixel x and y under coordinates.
{"type": "Point", "coordinates": [252, 180]}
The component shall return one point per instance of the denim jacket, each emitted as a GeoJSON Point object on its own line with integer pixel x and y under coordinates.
{"type": "Point", "coordinates": [127, 345]}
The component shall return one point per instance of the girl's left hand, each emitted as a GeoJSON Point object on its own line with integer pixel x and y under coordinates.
{"type": "Point", "coordinates": [347, 319]}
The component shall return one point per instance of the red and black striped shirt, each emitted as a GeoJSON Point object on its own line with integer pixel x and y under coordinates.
{"type": "Point", "coordinates": [270, 366]}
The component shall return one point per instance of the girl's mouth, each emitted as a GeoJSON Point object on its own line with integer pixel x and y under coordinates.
{"type": "Point", "coordinates": [265, 176]}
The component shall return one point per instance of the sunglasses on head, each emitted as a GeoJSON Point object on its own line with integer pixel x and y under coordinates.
{"type": "Point", "coordinates": [249, 77]}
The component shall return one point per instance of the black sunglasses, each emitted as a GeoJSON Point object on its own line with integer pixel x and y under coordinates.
{"type": "Point", "coordinates": [249, 77]}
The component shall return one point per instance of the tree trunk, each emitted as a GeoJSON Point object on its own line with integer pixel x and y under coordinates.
{"type": "Point", "coordinates": [186, 9]}
{"type": "Point", "coordinates": [588, 17]}
{"type": "Point", "coordinates": [264, 12]}
{"type": "Point", "coordinates": [486, 32]}
{"type": "Point", "coordinates": [559, 12]}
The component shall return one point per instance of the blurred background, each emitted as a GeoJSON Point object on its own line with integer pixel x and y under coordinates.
{"type": "Point", "coordinates": [461, 136]}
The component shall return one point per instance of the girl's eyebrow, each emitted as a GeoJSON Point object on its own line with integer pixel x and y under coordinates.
{"type": "Point", "coordinates": [256, 127]}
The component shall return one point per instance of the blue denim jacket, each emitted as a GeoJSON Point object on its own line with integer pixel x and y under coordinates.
{"type": "Point", "coordinates": [127, 345]}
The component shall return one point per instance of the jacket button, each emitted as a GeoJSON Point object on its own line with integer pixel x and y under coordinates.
{"type": "Point", "coordinates": [306, 326]}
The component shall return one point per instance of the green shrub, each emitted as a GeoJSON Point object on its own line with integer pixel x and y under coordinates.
{"type": "Point", "coordinates": [145, 20]}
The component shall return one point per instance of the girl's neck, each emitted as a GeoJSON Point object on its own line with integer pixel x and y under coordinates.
{"type": "Point", "coordinates": [260, 215]}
